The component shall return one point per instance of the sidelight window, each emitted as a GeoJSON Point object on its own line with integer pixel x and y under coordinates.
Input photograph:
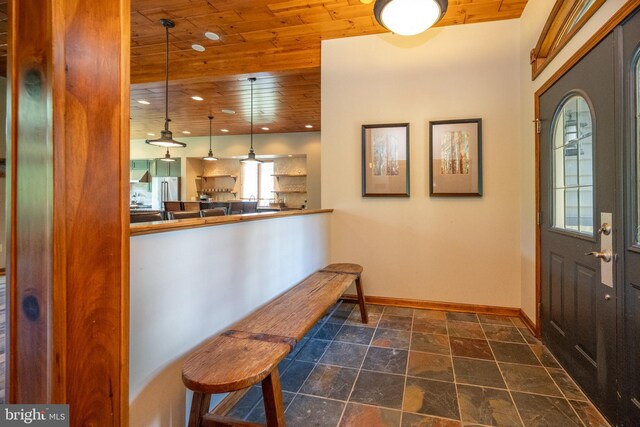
{"type": "Point", "coordinates": [573, 166]}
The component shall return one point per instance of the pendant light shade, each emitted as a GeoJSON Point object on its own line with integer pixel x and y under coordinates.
{"type": "Point", "coordinates": [251, 157]}
{"type": "Point", "coordinates": [167, 157]}
{"type": "Point", "coordinates": [409, 17]}
{"type": "Point", "coordinates": [166, 137]}
{"type": "Point", "coordinates": [210, 156]}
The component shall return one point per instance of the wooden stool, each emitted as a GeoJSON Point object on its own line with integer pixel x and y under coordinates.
{"type": "Point", "coordinates": [356, 269]}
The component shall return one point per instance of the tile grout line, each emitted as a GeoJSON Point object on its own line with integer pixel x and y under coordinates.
{"type": "Point", "coordinates": [406, 368]}
{"type": "Point", "coordinates": [505, 381]}
{"type": "Point", "coordinates": [558, 385]}
{"type": "Point", "coordinates": [296, 393]}
{"type": "Point", "coordinates": [541, 344]}
{"type": "Point", "coordinates": [356, 379]}
{"type": "Point", "coordinates": [455, 383]}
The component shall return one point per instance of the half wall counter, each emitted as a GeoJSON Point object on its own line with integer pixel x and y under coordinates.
{"type": "Point", "coordinates": [192, 278]}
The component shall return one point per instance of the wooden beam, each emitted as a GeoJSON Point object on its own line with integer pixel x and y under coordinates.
{"type": "Point", "coordinates": [68, 153]}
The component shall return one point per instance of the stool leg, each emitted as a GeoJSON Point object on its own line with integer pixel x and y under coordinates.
{"type": "Point", "coordinates": [272, 395]}
{"type": "Point", "coordinates": [361, 301]}
{"type": "Point", "coordinates": [199, 407]}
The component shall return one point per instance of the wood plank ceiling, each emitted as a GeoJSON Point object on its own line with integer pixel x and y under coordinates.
{"type": "Point", "coordinates": [277, 41]}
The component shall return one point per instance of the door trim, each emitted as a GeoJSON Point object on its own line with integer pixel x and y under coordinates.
{"type": "Point", "coordinates": [596, 38]}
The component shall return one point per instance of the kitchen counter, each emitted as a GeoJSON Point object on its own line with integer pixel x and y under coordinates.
{"type": "Point", "coordinates": [180, 224]}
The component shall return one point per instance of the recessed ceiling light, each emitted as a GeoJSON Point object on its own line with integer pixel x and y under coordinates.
{"type": "Point", "coordinates": [197, 47]}
{"type": "Point", "coordinates": [224, 130]}
{"type": "Point", "coordinates": [264, 128]}
{"type": "Point", "coordinates": [309, 126]}
{"type": "Point", "coordinates": [290, 155]}
{"type": "Point", "coordinates": [151, 134]}
{"type": "Point", "coordinates": [144, 102]}
{"type": "Point", "coordinates": [186, 132]}
{"type": "Point", "coordinates": [212, 36]}
{"type": "Point", "coordinates": [197, 98]}
{"type": "Point", "coordinates": [228, 111]}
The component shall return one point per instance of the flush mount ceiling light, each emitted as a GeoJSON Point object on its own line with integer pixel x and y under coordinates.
{"type": "Point", "coordinates": [309, 126]}
{"type": "Point", "coordinates": [210, 155]}
{"type": "Point", "coordinates": [251, 157]}
{"type": "Point", "coordinates": [186, 132]}
{"type": "Point", "coordinates": [197, 47]}
{"type": "Point", "coordinates": [264, 128]}
{"type": "Point", "coordinates": [197, 98]}
{"type": "Point", "coordinates": [167, 157]}
{"type": "Point", "coordinates": [143, 102]}
{"type": "Point", "coordinates": [228, 111]}
{"type": "Point", "coordinates": [166, 137]}
{"type": "Point", "coordinates": [224, 130]}
{"type": "Point", "coordinates": [409, 17]}
{"type": "Point", "coordinates": [212, 36]}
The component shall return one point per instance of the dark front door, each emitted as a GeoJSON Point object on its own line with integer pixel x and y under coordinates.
{"type": "Point", "coordinates": [577, 196]}
{"type": "Point", "coordinates": [630, 238]}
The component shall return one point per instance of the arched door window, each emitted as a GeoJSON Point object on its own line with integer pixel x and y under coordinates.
{"type": "Point", "coordinates": [573, 166]}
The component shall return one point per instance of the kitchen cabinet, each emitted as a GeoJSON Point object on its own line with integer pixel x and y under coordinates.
{"type": "Point", "coordinates": [139, 165]}
{"type": "Point", "coordinates": [162, 169]}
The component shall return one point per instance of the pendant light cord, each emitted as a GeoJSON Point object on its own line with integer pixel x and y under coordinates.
{"type": "Point", "coordinates": [210, 119]}
{"type": "Point", "coordinates": [253, 79]}
{"type": "Point", "coordinates": [166, 84]}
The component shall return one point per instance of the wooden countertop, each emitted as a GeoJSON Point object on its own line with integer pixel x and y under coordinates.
{"type": "Point", "coordinates": [180, 224]}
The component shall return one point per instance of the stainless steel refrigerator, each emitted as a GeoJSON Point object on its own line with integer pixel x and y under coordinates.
{"type": "Point", "coordinates": [164, 189]}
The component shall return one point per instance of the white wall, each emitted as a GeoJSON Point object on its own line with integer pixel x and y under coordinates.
{"type": "Point", "coordinates": [188, 285]}
{"type": "Point", "coordinates": [531, 24]}
{"type": "Point", "coordinates": [238, 145]}
{"type": "Point", "coordinates": [463, 250]}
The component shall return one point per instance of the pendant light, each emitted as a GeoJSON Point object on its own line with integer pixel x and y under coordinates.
{"type": "Point", "coordinates": [167, 157]}
{"type": "Point", "coordinates": [409, 17]}
{"type": "Point", "coordinates": [166, 137]}
{"type": "Point", "coordinates": [251, 157]}
{"type": "Point", "coordinates": [210, 155]}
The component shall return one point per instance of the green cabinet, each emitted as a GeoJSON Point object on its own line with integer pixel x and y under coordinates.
{"type": "Point", "coordinates": [174, 168]}
{"type": "Point", "coordinates": [139, 165]}
{"type": "Point", "coordinates": [160, 168]}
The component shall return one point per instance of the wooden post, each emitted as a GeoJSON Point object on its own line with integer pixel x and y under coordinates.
{"type": "Point", "coordinates": [272, 395]}
{"type": "Point", "coordinates": [68, 152]}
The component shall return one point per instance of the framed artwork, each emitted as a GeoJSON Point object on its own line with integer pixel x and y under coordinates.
{"type": "Point", "coordinates": [455, 155]}
{"type": "Point", "coordinates": [385, 160]}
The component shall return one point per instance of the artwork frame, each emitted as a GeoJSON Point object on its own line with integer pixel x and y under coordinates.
{"type": "Point", "coordinates": [385, 160]}
{"type": "Point", "coordinates": [455, 158]}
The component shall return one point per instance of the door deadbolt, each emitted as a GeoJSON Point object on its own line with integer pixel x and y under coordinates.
{"type": "Point", "coordinates": [605, 229]}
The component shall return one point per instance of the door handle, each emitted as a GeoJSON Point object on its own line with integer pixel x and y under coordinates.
{"type": "Point", "coordinates": [604, 255]}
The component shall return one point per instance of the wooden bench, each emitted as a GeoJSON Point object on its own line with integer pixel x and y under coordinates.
{"type": "Point", "coordinates": [250, 350]}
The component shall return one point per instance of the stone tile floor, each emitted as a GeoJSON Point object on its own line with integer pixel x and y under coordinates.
{"type": "Point", "coordinates": [422, 368]}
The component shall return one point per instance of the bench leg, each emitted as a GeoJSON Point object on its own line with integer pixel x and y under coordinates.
{"type": "Point", "coordinates": [361, 301]}
{"type": "Point", "coordinates": [199, 408]}
{"type": "Point", "coordinates": [272, 395]}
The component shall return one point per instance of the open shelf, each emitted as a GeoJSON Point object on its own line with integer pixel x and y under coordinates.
{"type": "Point", "coordinates": [205, 177]}
{"type": "Point", "coordinates": [278, 175]}
{"type": "Point", "coordinates": [219, 192]}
